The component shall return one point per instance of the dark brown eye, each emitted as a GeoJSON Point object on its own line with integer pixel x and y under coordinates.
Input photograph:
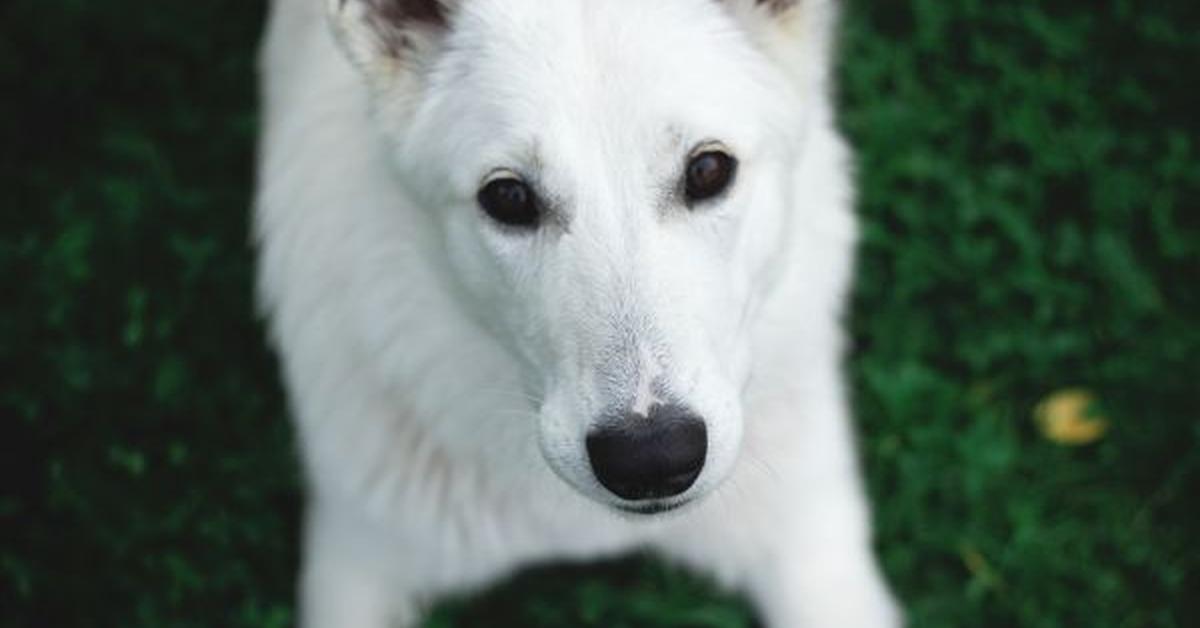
{"type": "Point", "coordinates": [709, 174]}
{"type": "Point", "coordinates": [509, 201]}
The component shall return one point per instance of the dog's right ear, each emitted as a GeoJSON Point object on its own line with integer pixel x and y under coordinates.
{"type": "Point", "coordinates": [387, 39]}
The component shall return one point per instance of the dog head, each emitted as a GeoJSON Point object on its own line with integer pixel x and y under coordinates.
{"type": "Point", "coordinates": [613, 180]}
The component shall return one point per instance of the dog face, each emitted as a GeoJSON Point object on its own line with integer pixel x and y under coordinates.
{"type": "Point", "coordinates": [613, 181]}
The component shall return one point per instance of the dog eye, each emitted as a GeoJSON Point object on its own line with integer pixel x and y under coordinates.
{"type": "Point", "coordinates": [509, 201]}
{"type": "Point", "coordinates": [708, 174]}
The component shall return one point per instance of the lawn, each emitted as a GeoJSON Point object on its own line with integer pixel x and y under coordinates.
{"type": "Point", "coordinates": [1030, 177]}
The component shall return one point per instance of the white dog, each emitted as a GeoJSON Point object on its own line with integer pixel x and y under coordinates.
{"type": "Point", "coordinates": [559, 279]}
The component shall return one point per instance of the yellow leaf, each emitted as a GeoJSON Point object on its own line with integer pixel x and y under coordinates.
{"type": "Point", "coordinates": [1068, 417]}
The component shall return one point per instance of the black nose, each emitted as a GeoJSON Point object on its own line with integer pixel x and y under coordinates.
{"type": "Point", "coordinates": [648, 457]}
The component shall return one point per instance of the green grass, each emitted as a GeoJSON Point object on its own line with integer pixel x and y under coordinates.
{"type": "Point", "coordinates": [1031, 195]}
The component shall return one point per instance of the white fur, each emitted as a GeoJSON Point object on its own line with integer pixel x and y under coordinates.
{"type": "Point", "coordinates": [443, 371]}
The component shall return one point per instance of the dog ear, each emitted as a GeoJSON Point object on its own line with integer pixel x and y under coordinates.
{"type": "Point", "coordinates": [777, 6]}
{"type": "Point", "coordinates": [798, 34]}
{"type": "Point", "coordinates": [386, 38]}
{"type": "Point", "coordinates": [771, 8]}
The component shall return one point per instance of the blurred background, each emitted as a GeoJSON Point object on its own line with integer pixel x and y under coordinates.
{"type": "Point", "coordinates": [1026, 321]}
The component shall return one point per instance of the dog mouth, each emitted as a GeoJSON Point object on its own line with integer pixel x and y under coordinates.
{"type": "Point", "coordinates": [652, 509]}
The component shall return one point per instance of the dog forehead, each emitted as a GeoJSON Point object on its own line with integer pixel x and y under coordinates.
{"type": "Point", "coordinates": [569, 88]}
{"type": "Point", "coordinates": [621, 59]}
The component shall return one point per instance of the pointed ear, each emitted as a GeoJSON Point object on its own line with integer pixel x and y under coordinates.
{"type": "Point", "coordinates": [777, 6]}
{"type": "Point", "coordinates": [386, 38]}
{"type": "Point", "coordinates": [798, 34]}
{"type": "Point", "coordinates": [774, 8]}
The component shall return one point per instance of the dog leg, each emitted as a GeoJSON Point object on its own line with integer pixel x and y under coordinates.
{"type": "Point", "coordinates": [822, 572]}
{"type": "Point", "coordinates": [803, 555]}
{"type": "Point", "coordinates": [349, 580]}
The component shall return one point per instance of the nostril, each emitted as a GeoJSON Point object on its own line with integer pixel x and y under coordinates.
{"type": "Point", "coordinates": [650, 457]}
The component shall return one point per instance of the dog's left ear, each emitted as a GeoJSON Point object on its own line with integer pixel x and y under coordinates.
{"type": "Point", "coordinates": [777, 9]}
{"type": "Point", "coordinates": [798, 34]}
{"type": "Point", "coordinates": [777, 5]}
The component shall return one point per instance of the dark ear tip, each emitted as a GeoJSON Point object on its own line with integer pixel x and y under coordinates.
{"type": "Point", "coordinates": [400, 12]}
{"type": "Point", "coordinates": [777, 6]}
{"type": "Point", "coordinates": [372, 29]}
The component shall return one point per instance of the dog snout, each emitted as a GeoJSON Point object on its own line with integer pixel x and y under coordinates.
{"type": "Point", "coordinates": [652, 456]}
